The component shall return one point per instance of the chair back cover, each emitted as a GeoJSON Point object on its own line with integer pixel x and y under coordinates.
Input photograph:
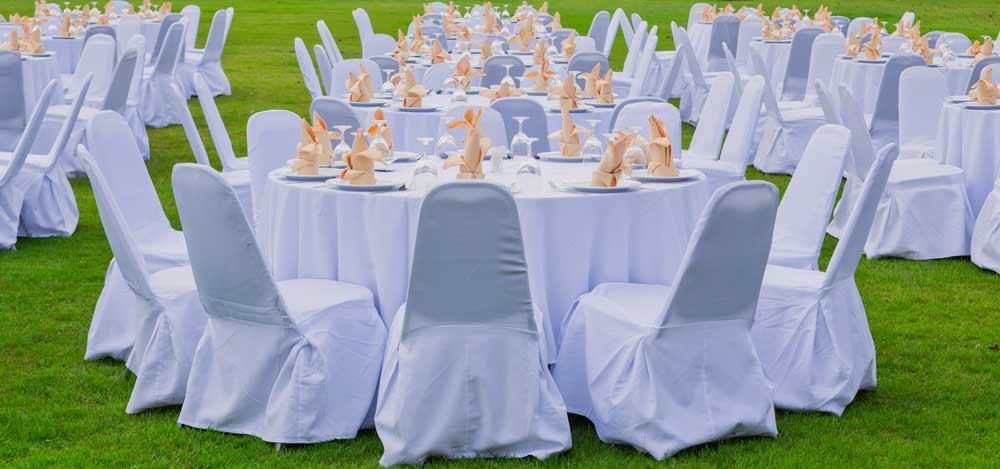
{"type": "Point", "coordinates": [98, 58]}
{"type": "Point", "coordinates": [216, 127]}
{"type": "Point", "coordinates": [100, 29]}
{"type": "Point", "coordinates": [694, 67]}
{"type": "Point", "coordinates": [229, 270]}
{"type": "Point", "coordinates": [922, 92]}
{"type": "Point", "coordinates": [722, 269]}
{"type": "Point", "coordinates": [841, 22]}
{"type": "Point", "coordinates": [192, 16]}
{"type": "Point", "coordinates": [749, 29]}
{"type": "Point", "coordinates": [170, 52]}
{"type": "Point", "coordinates": [216, 41]}
{"type": "Point", "coordinates": [138, 44]}
{"type": "Point", "coordinates": [825, 49]}
{"type": "Point", "coordinates": [491, 123]}
{"type": "Point", "coordinates": [336, 112]}
{"type": "Point", "coordinates": [116, 98]}
{"type": "Point", "coordinates": [307, 69]}
{"type": "Point", "coordinates": [612, 33]}
{"type": "Point", "coordinates": [734, 69]}
{"type": "Point", "coordinates": [583, 62]}
{"type": "Point", "coordinates": [856, 24]}
{"type": "Point", "coordinates": [725, 30]}
{"type": "Point", "coordinates": [956, 42]}
{"type": "Point", "coordinates": [805, 208]}
{"type": "Point", "coordinates": [558, 36]}
{"type": "Point", "coordinates": [639, 83]}
{"type": "Point", "coordinates": [26, 139]}
{"type": "Point", "coordinates": [635, 50]}
{"type": "Point", "coordinates": [117, 228]}
{"type": "Point", "coordinates": [332, 51]}
{"type": "Point", "coordinates": [623, 104]}
{"type": "Point", "coordinates": [770, 100]}
{"type": "Point", "coordinates": [388, 63]}
{"type": "Point", "coordinates": [494, 70]}
{"type": "Point", "coordinates": [847, 254]}
{"type": "Point", "coordinates": [707, 138]}
{"type": "Point", "coordinates": [161, 36]}
{"type": "Point", "coordinates": [827, 103]}
{"type": "Point", "coordinates": [694, 14]}
{"type": "Point", "coordinates": [628, 28]}
{"type": "Point", "coordinates": [599, 28]}
{"type": "Point", "coordinates": [378, 45]}
{"type": "Point", "coordinates": [468, 262]}
{"type": "Point", "coordinates": [977, 70]}
{"type": "Point", "coordinates": [862, 151]}
{"type": "Point", "coordinates": [128, 28]}
{"type": "Point", "coordinates": [68, 126]}
{"type": "Point", "coordinates": [364, 24]}
{"type": "Point", "coordinates": [635, 112]}
{"type": "Point", "coordinates": [13, 116]}
{"type": "Point", "coordinates": [537, 125]}
{"type": "Point", "coordinates": [739, 141]}
{"type": "Point", "coordinates": [272, 139]}
{"type": "Point", "coordinates": [585, 44]}
{"type": "Point", "coordinates": [324, 65]}
{"type": "Point", "coordinates": [884, 127]}
{"type": "Point", "coordinates": [932, 38]}
{"type": "Point", "coordinates": [794, 86]}
{"type": "Point", "coordinates": [894, 44]}
{"type": "Point", "coordinates": [343, 69]}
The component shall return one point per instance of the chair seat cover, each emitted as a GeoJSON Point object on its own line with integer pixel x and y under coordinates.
{"type": "Point", "coordinates": [49, 205]}
{"type": "Point", "coordinates": [814, 342]}
{"type": "Point", "coordinates": [782, 143]}
{"type": "Point", "coordinates": [213, 73]}
{"type": "Point", "coordinates": [12, 202]}
{"type": "Point", "coordinates": [317, 384]}
{"type": "Point", "coordinates": [986, 233]}
{"type": "Point", "coordinates": [159, 107]}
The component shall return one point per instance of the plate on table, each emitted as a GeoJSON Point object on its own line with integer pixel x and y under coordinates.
{"type": "Point", "coordinates": [579, 109]}
{"type": "Point", "coordinates": [323, 175]}
{"type": "Point", "coordinates": [405, 156]}
{"type": "Point", "coordinates": [379, 186]}
{"type": "Point", "coordinates": [982, 107]}
{"type": "Point", "coordinates": [777, 41]}
{"type": "Point", "coordinates": [537, 93]}
{"type": "Point", "coordinates": [625, 185]}
{"type": "Point", "coordinates": [965, 56]}
{"type": "Point", "coordinates": [872, 61]}
{"type": "Point", "coordinates": [845, 57]}
{"type": "Point", "coordinates": [420, 109]}
{"type": "Point", "coordinates": [39, 55]}
{"type": "Point", "coordinates": [603, 105]}
{"type": "Point", "coordinates": [474, 90]}
{"type": "Point", "coordinates": [521, 52]}
{"type": "Point", "coordinates": [560, 61]}
{"type": "Point", "coordinates": [958, 99]}
{"type": "Point", "coordinates": [704, 22]}
{"type": "Point", "coordinates": [556, 157]}
{"type": "Point", "coordinates": [63, 37]}
{"type": "Point", "coordinates": [372, 103]}
{"type": "Point", "coordinates": [685, 175]}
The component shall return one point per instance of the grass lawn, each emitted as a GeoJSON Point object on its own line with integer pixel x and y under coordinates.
{"type": "Point", "coordinates": [936, 323]}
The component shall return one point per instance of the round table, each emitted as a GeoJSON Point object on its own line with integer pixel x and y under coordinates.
{"type": "Point", "coordinates": [408, 126]}
{"type": "Point", "coordinates": [970, 139]}
{"type": "Point", "coordinates": [775, 55]}
{"type": "Point", "coordinates": [67, 51]}
{"type": "Point", "coordinates": [572, 241]}
{"type": "Point", "coordinates": [863, 78]}
{"type": "Point", "coordinates": [38, 72]}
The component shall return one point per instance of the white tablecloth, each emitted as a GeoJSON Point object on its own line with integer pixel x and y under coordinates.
{"type": "Point", "coordinates": [407, 127]}
{"type": "Point", "coordinates": [38, 72]}
{"type": "Point", "coordinates": [863, 79]}
{"type": "Point", "coordinates": [67, 52]}
{"type": "Point", "coordinates": [970, 139]}
{"type": "Point", "coordinates": [775, 55]}
{"type": "Point", "coordinates": [572, 241]}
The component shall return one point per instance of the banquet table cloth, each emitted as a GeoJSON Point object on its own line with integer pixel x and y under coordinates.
{"type": "Point", "coordinates": [775, 55]}
{"type": "Point", "coordinates": [573, 242]}
{"type": "Point", "coordinates": [67, 51]}
{"type": "Point", "coordinates": [408, 126]}
{"type": "Point", "coordinates": [970, 139]}
{"type": "Point", "coordinates": [863, 79]}
{"type": "Point", "coordinates": [38, 72]}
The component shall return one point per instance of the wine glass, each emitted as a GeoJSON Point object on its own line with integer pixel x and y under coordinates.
{"type": "Point", "coordinates": [634, 154]}
{"type": "Point", "coordinates": [425, 142]}
{"type": "Point", "coordinates": [380, 145]}
{"type": "Point", "coordinates": [884, 23]}
{"type": "Point", "coordinates": [520, 140]}
{"type": "Point", "coordinates": [446, 145]}
{"type": "Point", "coordinates": [507, 78]}
{"type": "Point", "coordinates": [506, 13]}
{"type": "Point", "coordinates": [342, 149]}
{"type": "Point", "coordinates": [592, 146]}
{"type": "Point", "coordinates": [497, 154]}
{"type": "Point", "coordinates": [387, 86]}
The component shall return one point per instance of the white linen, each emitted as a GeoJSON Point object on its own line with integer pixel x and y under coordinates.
{"type": "Point", "coordinates": [970, 139]}
{"type": "Point", "coordinates": [863, 79]}
{"type": "Point", "coordinates": [700, 34]}
{"type": "Point", "coordinates": [161, 95]}
{"type": "Point", "coordinates": [367, 239]}
{"type": "Point", "coordinates": [986, 233]}
{"type": "Point", "coordinates": [67, 52]}
{"type": "Point", "coordinates": [775, 55]}
{"type": "Point", "coordinates": [38, 72]}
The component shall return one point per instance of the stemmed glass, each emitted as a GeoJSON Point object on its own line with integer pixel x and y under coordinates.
{"type": "Point", "coordinates": [592, 146]}
{"type": "Point", "coordinates": [634, 154]}
{"type": "Point", "coordinates": [426, 143]}
{"type": "Point", "coordinates": [342, 149]}
{"type": "Point", "coordinates": [507, 78]}
{"type": "Point", "coordinates": [520, 140]}
{"type": "Point", "coordinates": [387, 86]}
{"type": "Point", "coordinates": [381, 145]}
{"type": "Point", "coordinates": [506, 13]}
{"type": "Point", "coordinates": [468, 10]}
{"type": "Point", "coordinates": [446, 145]}
{"type": "Point", "coordinates": [884, 23]}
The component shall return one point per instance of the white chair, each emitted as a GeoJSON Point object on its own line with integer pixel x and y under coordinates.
{"type": "Point", "coordinates": [622, 81]}
{"type": "Point", "coordinates": [160, 91]}
{"type": "Point", "coordinates": [707, 138]}
{"type": "Point", "coordinates": [132, 112]}
{"type": "Point", "coordinates": [666, 367]}
{"type": "Point", "coordinates": [617, 21]}
{"type": "Point", "coordinates": [694, 14]}
{"type": "Point", "coordinates": [795, 81]}
{"type": "Point", "coordinates": [324, 66]}
{"type": "Point", "coordinates": [238, 179]}
{"type": "Point", "coordinates": [113, 327]}
{"type": "Point", "coordinates": [925, 212]}
{"type": "Point", "coordinates": [435, 76]}
{"type": "Point", "coordinates": [884, 124]}
{"type": "Point", "coordinates": [342, 69]}
{"type": "Point", "coordinates": [377, 45]}
{"type": "Point", "coordinates": [750, 28]}
{"type": "Point", "coordinates": [598, 30]}
{"type": "Point", "coordinates": [695, 92]}
{"type": "Point", "coordinates": [810, 329]}
{"type": "Point", "coordinates": [725, 32]}
{"type": "Point", "coordinates": [737, 149]}
{"type": "Point", "coordinates": [272, 136]}
{"type": "Point", "coordinates": [536, 126]}
{"type": "Point", "coordinates": [168, 315]}
{"type": "Point", "coordinates": [633, 115]}
{"type": "Point", "coordinates": [825, 49]}
{"type": "Point", "coordinates": [986, 233]}
{"type": "Point", "coordinates": [15, 181]}
{"type": "Point", "coordinates": [956, 42]}
{"type": "Point", "coordinates": [855, 26]}
{"type": "Point", "coordinates": [784, 133]}
{"type": "Point", "coordinates": [491, 123]}
{"type": "Point", "coordinates": [217, 129]}
{"type": "Point", "coordinates": [334, 112]}
{"type": "Point", "coordinates": [304, 353]}
{"type": "Point", "coordinates": [308, 69]}
{"type": "Point", "coordinates": [364, 24]}
{"type": "Point", "coordinates": [585, 44]}
{"type": "Point", "coordinates": [641, 85]}
{"type": "Point", "coordinates": [470, 296]}
{"type": "Point", "coordinates": [922, 91]}
{"type": "Point", "coordinates": [98, 59]}
{"type": "Point", "coordinates": [13, 115]}
{"type": "Point", "coordinates": [805, 208]}
{"type": "Point", "coordinates": [129, 26]}
{"type": "Point", "coordinates": [209, 62]}
{"type": "Point", "coordinates": [192, 17]}
{"type": "Point", "coordinates": [329, 44]}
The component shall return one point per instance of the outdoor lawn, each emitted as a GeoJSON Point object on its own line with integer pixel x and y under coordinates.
{"type": "Point", "coordinates": [936, 324]}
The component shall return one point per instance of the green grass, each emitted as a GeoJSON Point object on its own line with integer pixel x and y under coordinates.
{"type": "Point", "coordinates": [935, 323]}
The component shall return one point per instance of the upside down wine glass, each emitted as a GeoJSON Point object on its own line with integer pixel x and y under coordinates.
{"type": "Point", "coordinates": [519, 145]}
{"type": "Point", "coordinates": [342, 149]}
{"type": "Point", "coordinates": [507, 78]}
{"type": "Point", "coordinates": [592, 146]}
{"type": "Point", "coordinates": [634, 154]}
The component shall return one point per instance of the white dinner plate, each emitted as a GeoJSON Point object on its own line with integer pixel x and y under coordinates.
{"type": "Point", "coordinates": [845, 57]}
{"type": "Point", "coordinates": [579, 109]}
{"type": "Point", "coordinates": [32, 54]}
{"type": "Point", "coordinates": [777, 41]}
{"type": "Point", "coordinates": [405, 156]}
{"type": "Point", "coordinates": [961, 98]}
{"type": "Point", "coordinates": [965, 56]}
{"type": "Point", "coordinates": [982, 107]}
{"type": "Point", "coordinates": [379, 186]}
{"type": "Point", "coordinates": [625, 185]}
{"type": "Point", "coordinates": [537, 93]}
{"type": "Point", "coordinates": [557, 157]}
{"type": "Point", "coordinates": [521, 52]}
{"type": "Point", "coordinates": [603, 105]}
{"type": "Point", "coordinates": [872, 61]}
{"type": "Point", "coordinates": [372, 103]}
{"type": "Point", "coordinates": [685, 175]}
{"type": "Point", "coordinates": [560, 61]}
{"type": "Point", "coordinates": [323, 174]}
{"type": "Point", "coordinates": [420, 109]}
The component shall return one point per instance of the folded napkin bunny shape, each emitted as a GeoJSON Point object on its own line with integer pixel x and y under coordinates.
{"type": "Point", "coordinates": [985, 91]}
{"type": "Point", "coordinates": [380, 126]}
{"type": "Point", "coordinates": [163, 11]}
{"type": "Point", "coordinates": [323, 136]}
{"type": "Point", "coordinates": [985, 50]}
{"type": "Point", "coordinates": [485, 50]}
{"type": "Point", "coordinates": [438, 53]}
{"type": "Point", "coordinates": [728, 9]}
{"type": "Point", "coordinates": [64, 30]}
{"type": "Point", "coordinates": [538, 54]}
{"type": "Point", "coordinates": [361, 160]}
{"type": "Point", "coordinates": [567, 92]}
{"type": "Point", "coordinates": [418, 35]}
{"type": "Point", "coordinates": [464, 73]}
{"type": "Point", "coordinates": [590, 81]}
{"type": "Point", "coordinates": [610, 169]}
{"type": "Point", "coordinates": [402, 52]}
{"type": "Point", "coordinates": [853, 45]}
{"type": "Point", "coordinates": [12, 44]}
{"type": "Point", "coordinates": [523, 37]}
{"type": "Point", "coordinates": [544, 9]}
{"type": "Point", "coordinates": [556, 22]}
{"type": "Point", "coordinates": [470, 161]}
{"type": "Point", "coordinates": [412, 92]}
{"type": "Point", "coordinates": [307, 152]}
{"type": "Point", "coordinates": [360, 86]}
{"type": "Point", "coordinates": [760, 10]}
{"type": "Point", "coordinates": [708, 14]}
{"type": "Point", "coordinates": [974, 48]}
{"type": "Point", "coordinates": [505, 90]}
{"type": "Point", "coordinates": [659, 157]}
{"type": "Point", "coordinates": [540, 77]}
{"type": "Point", "coordinates": [922, 47]}
{"type": "Point", "coordinates": [872, 47]}
{"type": "Point", "coordinates": [605, 89]}
{"type": "Point", "coordinates": [490, 24]}
{"type": "Point", "coordinates": [569, 135]}
{"type": "Point", "coordinates": [569, 46]}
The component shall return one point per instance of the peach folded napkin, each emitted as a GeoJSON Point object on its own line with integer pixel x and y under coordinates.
{"type": "Point", "coordinates": [485, 51]}
{"type": "Point", "coordinates": [438, 54]}
{"type": "Point", "coordinates": [411, 92]}
{"type": "Point", "coordinates": [605, 89]}
{"type": "Point", "coordinates": [522, 40]}
{"type": "Point", "coordinates": [985, 91]}
{"type": "Point", "coordinates": [985, 50]}
{"type": "Point", "coordinates": [660, 161]}
{"type": "Point", "coordinates": [610, 169]}
{"type": "Point", "coordinates": [569, 46]}
{"type": "Point", "coordinates": [871, 48]}
{"type": "Point", "coordinates": [569, 135]}
{"type": "Point", "coordinates": [418, 36]}
{"type": "Point", "coordinates": [505, 90]}
{"type": "Point", "coordinates": [146, 8]}
{"type": "Point", "coordinates": [360, 86]}
{"type": "Point", "coordinates": [853, 45]}
{"type": "Point", "coordinates": [490, 25]}
{"type": "Point", "coordinates": [470, 161]}
{"type": "Point", "coordinates": [428, 9]}
{"type": "Point", "coordinates": [540, 77]}
{"type": "Point", "coordinates": [380, 126]}
{"type": "Point", "coordinates": [556, 22]}
{"type": "Point", "coordinates": [708, 13]}
{"type": "Point", "coordinates": [544, 9]}
{"type": "Point", "coordinates": [974, 48]}
{"type": "Point", "coordinates": [728, 9]}
{"type": "Point", "coordinates": [590, 81]}
{"type": "Point", "coordinates": [449, 26]}
{"type": "Point", "coordinates": [464, 73]}
{"type": "Point", "coordinates": [307, 152]}
{"type": "Point", "coordinates": [361, 162]}
{"type": "Point", "coordinates": [538, 54]}
{"type": "Point", "coordinates": [760, 10]}
{"type": "Point", "coordinates": [567, 92]}
{"type": "Point", "coordinates": [12, 44]}
{"type": "Point", "coordinates": [109, 7]}
{"type": "Point", "coordinates": [64, 30]}
{"type": "Point", "coordinates": [922, 48]}
{"type": "Point", "coordinates": [323, 136]}
{"type": "Point", "coordinates": [103, 20]}
{"type": "Point", "coordinates": [163, 11]}
{"type": "Point", "coordinates": [402, 52]}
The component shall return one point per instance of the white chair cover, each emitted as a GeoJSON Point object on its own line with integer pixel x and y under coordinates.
{"type": "Point", "coordinates": [598, 30]}
{"type": "Point", "coordinates": [694, 93]}
{"type": "Point", "coordinates": [494, 70]}
{"type": "Point", "coordinates": [336, 112]}
{"type": "Point", "coordinates": [492, 124]}
{"type": "Point", "coordinates": [707, 138]}
{"type": "Point", "coordinates": [884, 128]}
{"type": "Point", "coordinates": [113, 328]}
{"type": "Point", "coordinates": [192, 17]}
{"type": "Point", "coordinates": [750, 28]}
{"type": "Point", "coordinates": [324, 66]}
{"type": "Point", "coordinates": [856, 24]}
{"type": "Point", "coordinates": [793, 86]}
{"type": "Point", "coordinates": [641, 84]}
{"type": "Point", "coordinates": [810, 330]}
{"type": "Point", "coordinates": [272, 137]}
{"type": "Point", "coordinates": [364, 24]}
{"type": "Point", "coordinates": [986, 233]}
{"type": "Point", "coordinates": [825, 49]}
{"type": "Point", "coordinates": [98, 58]}
{"type": "Point", "coordinates": [329, 44]}
{"type": "Point", "coordinates": [612, 31]}
{"type": "Point", "coordinates": [636, 115]}
{"type": "Point", "coordinates": [635, 48]}
{"type": "Point", "coordinates": [132, 112]}
{"type": "Point", "coordinates": [129, 27]}
{"type": "Point", "coordinates": [470, 296]}
{"type": "Point", "coordinates": [663, 368]}
{"type": "Point", "coordinates": [169, 318]}
{"type": "Point", "coordinates": [808, 200]}
{"type": "Point", "coordinates": [15, 181]}
{"type": "Point", "coordinates": [342, 69]}
{"type": "Point", "coordinates": [308, 69]}
{"type": "Point", "coordinates": [725, 31]}
{"type": "Point", "coordinates": [922, 91]}
{"type": "Point", "coordinates": [956, 42]}
{"type": "Point", "coordinates": [209, 62]}
{"type": "Point", "coordinates": [536, 126]}
{"type": "Point", "coordinates": [13, 115]}
{"type": "Point", "coordinates": [694, 13]}
{"type": "Point", "coordinates": [377, 45]}
{"type": "Point", "coordinates": [304, 353]}
{"type": "Point", "coordinates": [160, 90]}
{"type": "Point", "coordinates": [217, 128]}
{"type": "Point", "coordinates": [435, 76]}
